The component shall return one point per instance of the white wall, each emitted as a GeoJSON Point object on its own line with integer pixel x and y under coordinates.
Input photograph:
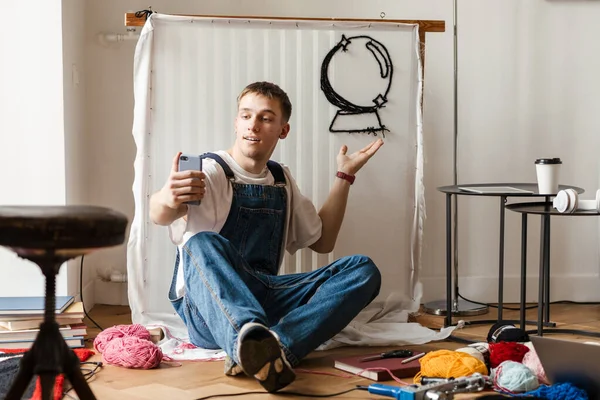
{"type": "Point", "coordinates": [32, 139]}
{"type": "Point", "coordinates": [526, 89]}
{"type": "Point", "coordinates": [76, 142]}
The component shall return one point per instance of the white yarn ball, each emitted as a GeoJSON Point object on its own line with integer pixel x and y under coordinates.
{"type": "Point", "coordinates": [515, 377]}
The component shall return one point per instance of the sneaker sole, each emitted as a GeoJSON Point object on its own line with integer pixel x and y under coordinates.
{"type": "Point", "coordinates": [257, 351]}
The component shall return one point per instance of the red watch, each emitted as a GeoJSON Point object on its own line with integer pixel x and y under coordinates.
{"type": "Point", "coordinates": [349, 178]}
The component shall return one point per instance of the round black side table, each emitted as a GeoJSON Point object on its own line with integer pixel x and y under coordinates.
{"type": "Point", "coordinates": [546, 211]}
{"type": "Point", "coordinates": [452, 302]}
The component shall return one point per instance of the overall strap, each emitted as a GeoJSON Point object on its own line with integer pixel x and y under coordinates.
{"type": "Point", "coordinates": [277, 172]}
{"type": "Point", "coordinates": [275, 168]}
{"type": "Point", "coordinates": [223, 164]}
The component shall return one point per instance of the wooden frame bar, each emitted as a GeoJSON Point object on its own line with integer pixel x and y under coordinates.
{"type": "Point", "coordinates": [424, 25]}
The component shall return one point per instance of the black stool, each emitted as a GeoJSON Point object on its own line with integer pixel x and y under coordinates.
{"type": "Point", "coordinates": [49, 236]}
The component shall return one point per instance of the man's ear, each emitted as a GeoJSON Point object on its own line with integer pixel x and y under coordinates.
{"type": "Point", "coordinates": [284, 131]}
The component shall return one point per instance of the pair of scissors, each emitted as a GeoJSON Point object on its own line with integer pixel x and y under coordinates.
{"type": "Point", "coordinates": [389, 354]}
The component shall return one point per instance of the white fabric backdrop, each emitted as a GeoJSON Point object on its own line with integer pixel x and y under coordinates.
{"type": "Point", "coordinates": [187, 74]}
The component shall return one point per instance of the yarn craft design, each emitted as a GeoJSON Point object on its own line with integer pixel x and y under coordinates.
{"type": "Point", "coordinates": [449, 364]}
{"type": "Point", "coordinates": [128, 346]}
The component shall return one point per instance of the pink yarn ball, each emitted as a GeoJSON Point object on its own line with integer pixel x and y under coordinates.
{"type": "Point", "coordinates": [119, 331]}
{"type": "Point", "coordinates": [132, 352]}
{"type": "Point", "coordinates": [532, 361]}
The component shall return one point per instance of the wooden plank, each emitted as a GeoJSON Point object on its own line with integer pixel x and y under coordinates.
{"type": "Point", "coordinates": [424, 25]}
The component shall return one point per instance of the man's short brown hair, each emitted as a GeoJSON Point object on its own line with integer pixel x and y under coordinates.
{"type": "Point", "coordinates": [271, 91]}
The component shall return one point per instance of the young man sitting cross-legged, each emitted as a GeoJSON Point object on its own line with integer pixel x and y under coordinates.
{"type": "Point", "coordinates": [226, 286]}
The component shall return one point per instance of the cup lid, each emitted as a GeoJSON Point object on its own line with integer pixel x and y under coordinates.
{"type": "Point", "coordinates": [548, 161]}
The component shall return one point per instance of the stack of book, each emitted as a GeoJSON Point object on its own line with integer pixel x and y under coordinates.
{"type": "Point", "coordinates": [20, 319]}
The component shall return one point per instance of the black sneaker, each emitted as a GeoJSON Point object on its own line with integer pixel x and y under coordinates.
{"type": "Point", "coordinates": [261, 356]}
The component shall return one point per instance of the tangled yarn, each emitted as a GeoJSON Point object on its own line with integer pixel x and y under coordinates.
{"type": "Point", "coordinates": [532, 361]}
{"type": "Point", "coordinates": [480, 351]}
{"type": "Point", "coordinates": [449, 364]}
{"type": "Point", "coordinates": [128, 346]}
{"type": "Point", "coordinates": [514, 377]}
{"type": "Point", "coordinates": [558, 391]}
{"type": "Point", "coordinates": [506, 351]}
{"type": "Point", "coordinates": [505, 332]}
{"type": "Point", "coordinates": [473, 352]}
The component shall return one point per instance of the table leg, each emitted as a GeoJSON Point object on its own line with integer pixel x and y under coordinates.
{"type": "Point", "coordinates": [542, 286]}
{"type": "Point", "coordinates": [448, 259]}
{"type": "Point", "coordinates": [501, 259]}
{"type": "Point", "coordinates": [546, 268]}
{"type": "Point", "coordinates": [523, 268]}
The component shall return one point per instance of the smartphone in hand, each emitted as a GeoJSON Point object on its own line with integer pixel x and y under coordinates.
{"type": "Point", "coordinates": [189, 162]}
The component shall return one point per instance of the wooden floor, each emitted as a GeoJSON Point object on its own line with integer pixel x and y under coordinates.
{"type": "Point", "coordinates": [194, 380]}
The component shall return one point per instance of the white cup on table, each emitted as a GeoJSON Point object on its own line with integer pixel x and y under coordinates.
{"type": "Point", "coordinates": [548, 172]}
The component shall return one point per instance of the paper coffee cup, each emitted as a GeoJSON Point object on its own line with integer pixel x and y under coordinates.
{"type": "Point", "coordinates": [547, 170]}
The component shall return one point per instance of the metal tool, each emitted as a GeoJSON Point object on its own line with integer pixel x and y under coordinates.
{"type": "Point", "coordinates": [443, 390]}
{"type": "Point", "coordinates": [389, 354]}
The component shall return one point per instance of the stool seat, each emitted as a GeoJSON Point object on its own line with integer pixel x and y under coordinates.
{"type": "Point", "coordinates": [61, 230]}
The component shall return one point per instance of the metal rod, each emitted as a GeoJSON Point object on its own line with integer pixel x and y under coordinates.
{"type": "Point", "coordinates": [541, 279]}
{"type": "Point", "coordinates": [523, 302]}
{"type": "Point", "coordinates": [448, 260]}
{"type": "Point", "coordinates": [455, 155]}
{"type": "Point", "coordinates": [501, 259]}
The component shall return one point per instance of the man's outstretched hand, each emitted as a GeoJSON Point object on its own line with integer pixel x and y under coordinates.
{"type": "Point", "coordinates": [352, 163]}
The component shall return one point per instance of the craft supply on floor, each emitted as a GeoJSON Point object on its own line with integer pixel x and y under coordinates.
{"type": "Point", "coordinates": [128, 346]}
{"type": "Point", "coordinates": [514, 377]}
{"type": "Point", "coordinates": [532, 361]}
{"type": "Point", "coordinates": [481, 351]}
{"type": "Point", "coordinates": [559, 391]}
{"type": "Point", "coordinates": [449, 364]}
{"type": "Point", "coordinates": [506, 351]}
{"type": "Point", "coordinates": [505, 332]}
{"type": "Point", "coordinates": [119, 331]}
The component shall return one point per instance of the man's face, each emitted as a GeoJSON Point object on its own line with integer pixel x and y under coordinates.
{"type": "Point", "coordinates": [259, 125]}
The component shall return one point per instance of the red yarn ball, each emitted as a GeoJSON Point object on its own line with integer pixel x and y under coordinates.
{"type": "Point", "coordinates": [132, 352]}
{"type": "Point", "coordinates": [119, 331]}
{"type": "Point", "coordinates": [506, 351]}
{"type": "Point", "coordinates": [128, 346]}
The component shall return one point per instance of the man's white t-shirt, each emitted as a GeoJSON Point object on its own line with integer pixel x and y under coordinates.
{"type": "Point", "coordinates": [303, 224]}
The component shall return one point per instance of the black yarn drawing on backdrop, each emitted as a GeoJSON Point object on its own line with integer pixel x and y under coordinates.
{"type": "Point", "coordinates": [358, 114]}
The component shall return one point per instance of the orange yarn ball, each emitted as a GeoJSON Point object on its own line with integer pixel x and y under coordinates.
{"type": "Point", "coordinates": [449, 364]}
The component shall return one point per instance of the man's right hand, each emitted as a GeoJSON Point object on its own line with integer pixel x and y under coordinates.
{"type": "Point", "coordinates": [167, 205]}
{"type": "Point", "coordinates": [182, 186]}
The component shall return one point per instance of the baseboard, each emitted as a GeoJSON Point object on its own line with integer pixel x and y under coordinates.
{"type": "Point", "coordinates": [580, 288]}
{"type": "Point", "coordinates": [111, 293]}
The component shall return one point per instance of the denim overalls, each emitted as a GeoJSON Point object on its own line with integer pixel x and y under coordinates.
{"type": "Point", "coordinates": [231, 278]}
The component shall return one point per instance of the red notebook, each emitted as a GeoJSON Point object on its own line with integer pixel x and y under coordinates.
{"type": "Point", "coordinates": [354, 366]}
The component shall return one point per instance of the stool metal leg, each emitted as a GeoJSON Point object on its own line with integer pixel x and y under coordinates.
{"type": "Point", "coordinates": [49, 356]}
